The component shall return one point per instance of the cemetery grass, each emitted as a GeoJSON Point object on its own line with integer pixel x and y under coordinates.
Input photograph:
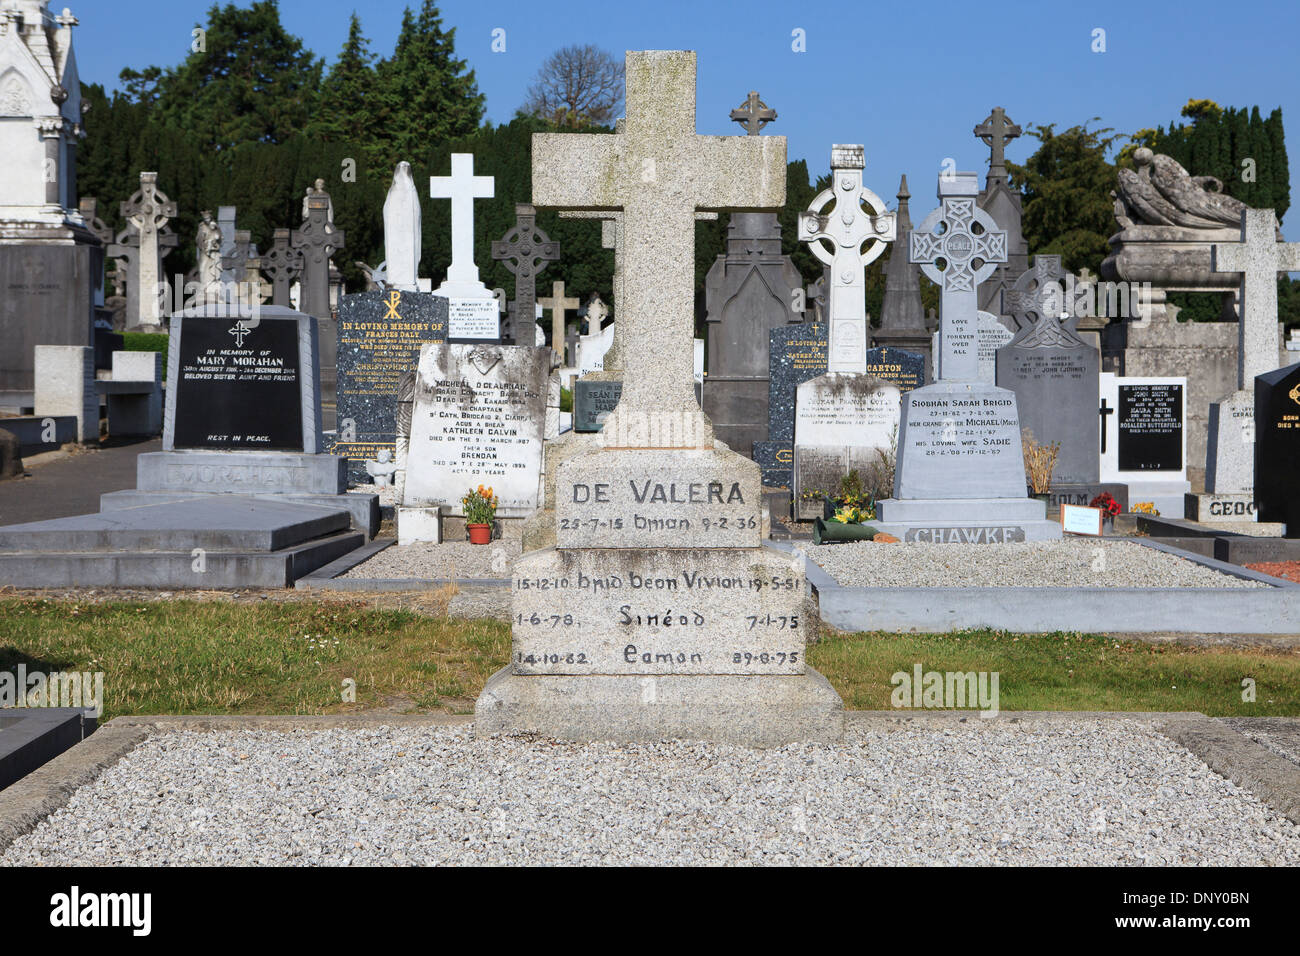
{"type": "Point", "coordinates": [186, 656]}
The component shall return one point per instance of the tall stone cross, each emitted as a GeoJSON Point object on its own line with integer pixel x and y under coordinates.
{"type": "Point", "coordinates": [966, 240]}
{"type": "Point", "coordinates": [282, 263]}
{"type": "Point", "coordinates": [317, 240]}
{"type": "Point", "coordinates": [526, 250]}
{"type": "Point", "coordinates": [753, 114]}
{"type": "Point", "coordinates": [997, 130]}
{"type": "Point", "coordinates": [462, 187]}
{"type": "Point", "coordinates": [659, 171]}
{"type": "Point", "coordinates": [845, 229]}
{"type": "Point", "coordinates": [1259, 257]}
{"type": "Point", "coordinates": [557, 303]}
{"type": "Point", "coordinates": [147, 213]}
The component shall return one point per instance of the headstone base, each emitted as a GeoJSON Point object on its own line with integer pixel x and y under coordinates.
{"type": "Point", "coordinates": [1230, 449]}
{"type": "Point", "coordinates": [242, 472]}
{"type": "Point", "coordinates": [1168, 496]}
{"type": "Point", "coordinates": [965, 521]}
{"type": "Point", "coordinates": [747, 711]}
{"type": "Point", "coordinates": [419, 524]}
{"type": "Point", "coordinates": [1082, 493]}
{"type": "Point", "coordinates": [1220, 509]}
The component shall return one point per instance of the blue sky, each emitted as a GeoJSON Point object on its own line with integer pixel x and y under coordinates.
{"type": "Point", "coordinates": [909, 80]}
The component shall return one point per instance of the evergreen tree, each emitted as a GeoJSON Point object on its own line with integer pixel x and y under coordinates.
{"type": "Point", "coordinates": [346, 108]}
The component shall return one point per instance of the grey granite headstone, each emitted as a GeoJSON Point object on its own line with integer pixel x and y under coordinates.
{"type": "Point", "coordinates": [317, 240]}
{"type": "Point", "coordinates": [593, 400]}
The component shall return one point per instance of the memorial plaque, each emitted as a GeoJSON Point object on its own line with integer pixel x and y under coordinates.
{"type": "Point", "coordinates": [843, 421]}
{"type": "Point", "coordinates": [796, 354]}
{"type": "Point", "coordinates": [1150, 424]}
{"type": "Point", "coordinates": [380, 336]}
{"type": "Point", "coordinates": [658, 612]}
{"type": "Point", "coordinates": [592, 402]}
{"type": "Point", "coordinates": [479, 418]}
{"type": "Point", "coordinates": [473, 320]}
{"type": "Point", "coordinates": [898, 367]}
{"type": "Point", "coordinates": [236, 384]}
{"type": "Point", "coordinates": [1277, 447]}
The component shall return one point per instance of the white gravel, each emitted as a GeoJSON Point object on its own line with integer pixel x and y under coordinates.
{"type": "Point", "coordinates": [452, 559]}
{"type": "Point", "coordinates": [1092, 792]}
{"type": "Point", "coordinates": [1069, 562]}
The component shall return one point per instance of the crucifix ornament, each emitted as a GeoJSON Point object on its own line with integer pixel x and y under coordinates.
{"type": "Point", "coordinates": [958, 246]}
{"type": "Point", "coordinates": [997, 130]}
{"type": "Point", "coordinates": [753, 114]}
{"type": "Point", "coordinates": [836, 238]}
{"type": "Point", "coordinates": [525, 251]}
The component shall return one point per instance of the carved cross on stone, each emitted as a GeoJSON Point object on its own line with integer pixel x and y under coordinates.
{"type": "Point", "coordinates": [525, 251]}
{"type": "Point", "coordinates": [958, 246]}
{"type": "Point", "coordinates": [1045, 290]}
{"type": "Point", "coordinates": [753, 114]}
{"type": "Point", "coordinates": [846, 228]}
{"type": "Point", "coordinates": [997, 130]}
{"type": "Point", "coordinates": [1259, 257]}
{"type": "Point", "coordinates": [147, 213]}
{"type": "Point", "coordinates": [558, 303]}
{"type": "Point", "coordinates": [659, 171]}
{"type": "Point", "coordinates": [282, 263]}
{"type": "Point", "coordinates": [317, 240]}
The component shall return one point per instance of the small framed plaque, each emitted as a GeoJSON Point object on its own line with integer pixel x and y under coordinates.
{"type": "Point", "coordinates": [473, 320]}
{"type": "Point", "coordinates": [1076, 519]}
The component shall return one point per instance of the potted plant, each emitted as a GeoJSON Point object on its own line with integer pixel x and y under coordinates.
{"type": "Point", "coordinates": [1040, 462]}
{"type": "Point", "coordinates": [480, 511]}
{"type": "Point", "coordinates": [1109, 508]}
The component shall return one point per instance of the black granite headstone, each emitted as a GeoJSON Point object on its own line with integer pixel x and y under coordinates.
{"type": "Point", "coordinates": [1277, 447]}
{"type": "Point", "coordinates": [592, 403]}
{"type": "Point", "coordinates": [380, 334]}
{"type": "Point", "coordinates": [897, 367]}
{"type": "Point", "coordinates": [796, 353]}
{"type": "Point", "coordinates": [1150, 427]}
{"type": "Point", "coordinates": [237, 387]}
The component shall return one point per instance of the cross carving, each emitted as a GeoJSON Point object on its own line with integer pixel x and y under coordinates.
{"type": "Point", "coordinates": [846, 228]}
{"type": "Point", "coordinates": [558, 303]}
{"type": "Point", "coordinates": [753, 114]}
{"type": "Point", "coordinates": [658, 171]}
{"type": "Point", "coordinates": [317, 240]}
{"type": "Point", "coordinates": [1259, 257]}
{"type": "Point", "coordinates": [966, 240]}
{"type": "Point", "coordinates": [462, 187]}
{"type": "Point", "coordinates": [525, 251]}
{"type": "Point", "coordinates": [996, 131]}
{"type": "Point", "coordinates": [1043, 291]}
{"type": "Point", "coordinates": [282, 263]}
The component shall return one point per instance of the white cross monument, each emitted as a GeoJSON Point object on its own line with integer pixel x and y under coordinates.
{"type": "Point", "coordinates": [472, 309]}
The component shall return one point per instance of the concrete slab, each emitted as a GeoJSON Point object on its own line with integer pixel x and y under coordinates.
{"type": "Point", "coordinates": [365, 509]}
{"type": "Point", "coordinates": [31, 737]}
{"type": "Point", "coordinates": [242, 473]}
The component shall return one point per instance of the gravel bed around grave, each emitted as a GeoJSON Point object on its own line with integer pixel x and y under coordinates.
{"type": "Point", "coordinates": [1029, 564]}
{"type": "Point", "coordinates": [387, 493]}
{"type": "Point", "coordinates": [451, 559]}
{"type": "Point", "coordinates": [1092, 792]}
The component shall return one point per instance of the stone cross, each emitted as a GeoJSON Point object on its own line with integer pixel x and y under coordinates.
{"type": "Point", "coordinates": [147, 213]}
{"type": "Point", "coordinates": [282, 263]}
{"type": "Point", "coordinates": [525, 250]}
{"type": "Point", "coordinates": [997, 130]}
{"type": "Point", "coordinates": [1259, 257]}
{"type": "Point", "coordinates": [966, 240]}
{"type": "Point", "coordinates": [1043, 290]}
{"type": "Point", "coordinates": [462, 187]}
{"type": "Point", "coordinates": [659, 171]}
{"type": "Point", "coordinates": [317, 240]}
{"type": "Point", "coordinates": [226, 223]}
{"type": "Point", "coordinates": [557, 303]}
{"type": "Point", "coordinates": [846, 228]}
{"type": "Point", "coordinates": [753, 114]}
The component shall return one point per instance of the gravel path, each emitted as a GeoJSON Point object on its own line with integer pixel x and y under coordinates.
{"type": "Point", "coordinates": [1065, 563]}
{"type": "Point", "coordinates": [458, 559]}
{"type": "Point", "coordinates": [1092, 792]}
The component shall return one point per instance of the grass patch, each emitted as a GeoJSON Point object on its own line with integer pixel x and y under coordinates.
{"type": "Point", "coordinates": [291, 657]}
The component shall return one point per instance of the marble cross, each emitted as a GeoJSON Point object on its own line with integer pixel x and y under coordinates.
{"type": "Point", "coordinates": [317, 240]}
{"type": "Point", "coordinates": [753, 114]}
{"type": "Point", "coordinates": [1259, 257]}
{"type": "Point", "coordinates": [958, 246]}
{"type": "Point", "coordinates": [845, 229]}
{"type": "Point", "coordinates": [658, 171]}
{"type": "Point", "coordinates": [557, 303]}
{"type": "Point", "coordinates": [462, 187]}
{"type": "Point", "coordinates": [525, 251]}
{"type": "Point", "coordinates": [282, 263]}
{"type": "Point", "coordinates": [997, 130]}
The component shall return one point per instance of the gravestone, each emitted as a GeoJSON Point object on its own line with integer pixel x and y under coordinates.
{"type": "Point", "coordinates": [1230, 452]}
{"type": "Point", "coordinates": [846, 400]}
{"type": "Point", "coordinates": [749, 290]}
{"type": "Point", "coordinates": [226, 226]}
{"type": "Point", "coordinates": [1277, 447]}
{"type": "Point", "coordinates": [479, 418]}
{"type": "Point", "coordinates": [1052, 371]}
{"type": "Point", "coordinates": [902, 319]}
{"type": "Point", "coordinates": [317, 240]}
{"type": "Point", "coordinates": [658, 508]}
{"type": "Point", "coordinates": [900, 368]}
{"type": "Point", "coordinates": [283, 263]}
{"type": "Point", "coordinates": [1002, 203]}
{"type": "Point", "coordinates": [526, 250]}
{"type": "Point", "coordinates": [796, 353]}
{"type": "Point", "coordinates": [380, 336]}
{"type": "Point", "coordinates": [991, 335]}
{"type": "Point", "coordinates": [960, 474]}
{"type": "Point", "coordinates": [472, 311]}
{"type": "Point", "coordinates": [1144, 438]}
{"type": "Point", "coordinates": [558, 303]}
{"type": "Point", "coordinates": [593, 400]}
{"type": "Point", "coordinates": [402, 232]}
{"type": "Point", "coordinates": [144, 243]}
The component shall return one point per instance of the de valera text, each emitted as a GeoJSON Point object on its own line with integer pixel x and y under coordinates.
{"type": "Point", "coordinates": [649, 491]}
